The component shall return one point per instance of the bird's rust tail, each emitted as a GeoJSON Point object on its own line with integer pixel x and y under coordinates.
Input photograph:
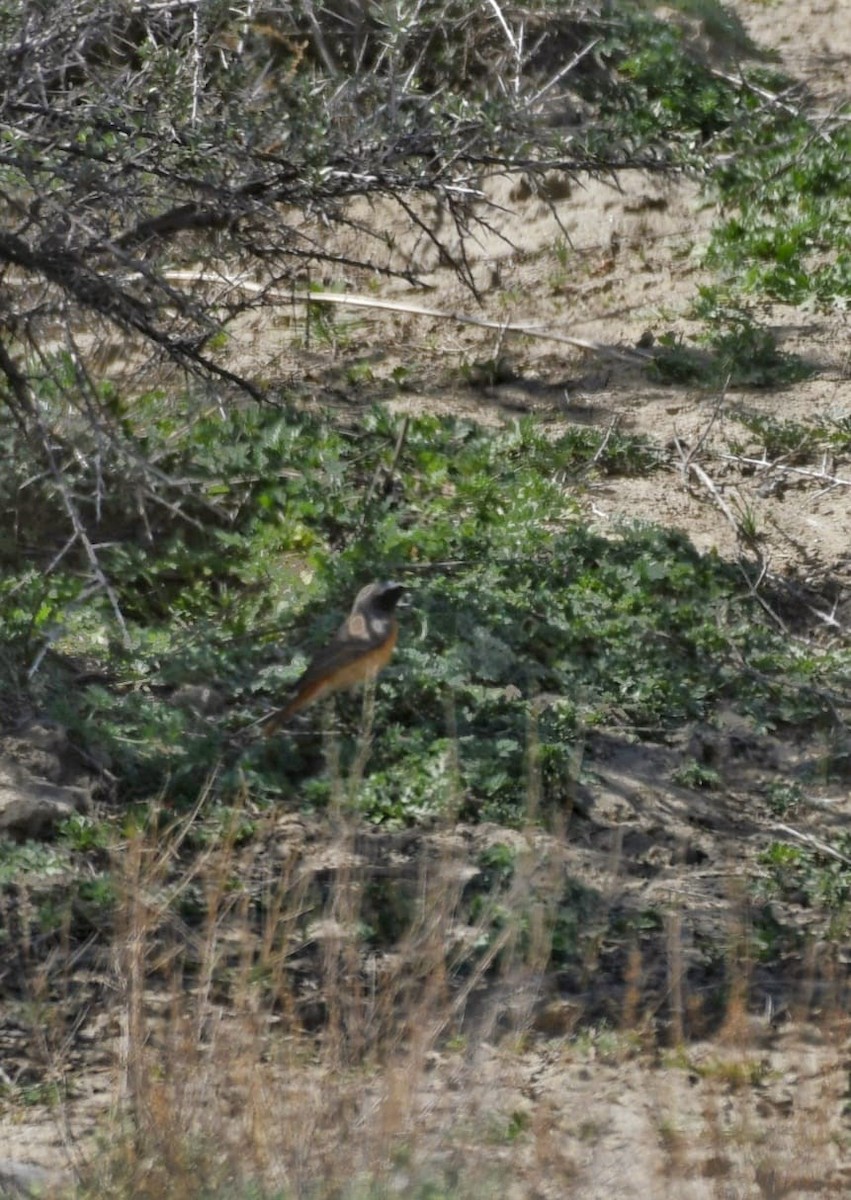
{"type": "Point", "coordinates": [275, 722]}
{"type": "Point", "coordinates": [281, 716]}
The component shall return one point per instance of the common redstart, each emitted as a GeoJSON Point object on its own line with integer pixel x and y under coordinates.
{"type": "Point", "coordinates": [359, 649]}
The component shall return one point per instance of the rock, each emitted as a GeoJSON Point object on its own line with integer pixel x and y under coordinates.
{"type": "Point", "coordinates": [199, 698]}
{"type": "Point", "coordinates": [31, 807]}
{"type": "Point", "coordinates": [26, 1179]}
{"type": "Point", "coordinates": [40, 747]}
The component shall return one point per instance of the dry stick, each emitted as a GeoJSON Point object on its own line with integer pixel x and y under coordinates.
{"type": "Point", "coordinates": [770, 98]}
{"type": "Point", "coordinates": [815, 842]}
{"type": "Point", "coordinates": [518, 59]}
{"type": "Point", "coordinates": [837, 701]}
{"type": "Point", "coordinates": [716, 413]}
{"type": "Point", "coordinates": [559, 75]}
{"type": "Point", "coordinates": [364, 745]}
{"type": "Point", "coordinates": [247, 15]}
{"type": "Point", "coordinates": [420, 310]}
{"type": "Point", "coordinates": [16, 380]}
{"type": "Point", "coordinates": [24, 406]}
{"type": "Point", "coordinates": [765, 465]}
{"type": "Point", "coordinates": [145, 466]}
{"type": "Point", "coordinates": [331, 752]}
{"type": "Point", "coordinates": [319, 41]}
{"type": "Point", "coordinates": [197, 64]}
{"type": "Point", "coordinates": [689, 465]}
{"type": "Point", "coordinates": [829, 618]}
{"type": "Point", "coordinates": [753, 588]}
{"type": "Point", "coordinates": [512, 41]}
{"type": "Point", "coordinates": [88, 393]}
{"type": "Point", "coordinates": [676, 974]}
{"type": "Point", "coordinates": [501, 941]}
{"type": "Point", "coordinates": [601, 449]}
{"type": "Point", "coordinates": [355, 300]}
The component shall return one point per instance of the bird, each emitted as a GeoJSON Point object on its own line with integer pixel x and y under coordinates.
{"type": "Point", "coordinates": [360, 648]}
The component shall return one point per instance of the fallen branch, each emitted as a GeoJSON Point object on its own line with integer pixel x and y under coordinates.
{"type": "Point", "coordinates": [601, 449]}
{"type": "Point", "coordinates": [354, 300]}
{"type": "Point", "coordinates": [764, 465]}
{"type": "Point", "coordinates": [742, 535]}
{"type": "Point", "coordinates": [816, 843]}
{"type": "Point", "coordinates": [689, 465]}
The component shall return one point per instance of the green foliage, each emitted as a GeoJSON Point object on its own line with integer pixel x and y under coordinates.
{"type": "Point", "coordinates": [673, 95]}
{"type": "Point", "coordinates": [30, 606]}
{"type": "Point", "coordinates": [809, 875]}
{"type": "Point", "coordinates": [697, 775]}
{"type": "Point", "coordinates": [733, 351]}
{"type": "Point", "coordinates": [782, 176]}
{"type": "Point", "coordinates": [288, 514]}
{"type": "Point", "coordinates": [783, 798]}
{"type": "Point", "coordinates": [31, 861]}
{"type": "Point", "coordinates": [45, 1094]}
{"type": "Point", "coordinates": [512, 598]}
{"type": "Point", "coordinates": [579, 908]}
{"type": "Point", "coordinates": [795, 441]}
{"type": "Point", "coordinates": [526, 626]}
{"type": "Point", "coordinates": [787, 180]}
{"type": "Point", "coordinates": [84, 834]}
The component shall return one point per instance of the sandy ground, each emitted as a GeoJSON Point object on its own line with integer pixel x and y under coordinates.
{"type": "Point", "coordinates": [615, 265]}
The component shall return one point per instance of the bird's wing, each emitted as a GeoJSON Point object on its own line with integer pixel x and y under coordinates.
{"type": "Point", "coordinates": [347, 647]}
{"type": "Point", "coordinates": [356, 641]}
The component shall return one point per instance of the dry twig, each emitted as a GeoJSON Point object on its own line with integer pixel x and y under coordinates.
{"type": "Point", "coordinates": [354, 300]}
{"type": "Point", "coordinates": [763, 464]}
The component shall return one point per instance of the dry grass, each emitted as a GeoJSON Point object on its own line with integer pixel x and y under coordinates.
{"type": "Point", "coordinates": [264, 1041]}
{"type": "Point", "coordinates": [267, 1040]}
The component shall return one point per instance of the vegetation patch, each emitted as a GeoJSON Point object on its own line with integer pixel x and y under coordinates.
{"type": "Point", "coordinates": [522, 619]}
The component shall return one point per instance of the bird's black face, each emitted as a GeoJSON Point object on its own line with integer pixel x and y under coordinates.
{"type": "Point", "coordinates": [389, 596]}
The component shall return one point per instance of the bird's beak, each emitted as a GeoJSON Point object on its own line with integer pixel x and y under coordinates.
{"type": "Point", "coordinates": [404, 600]}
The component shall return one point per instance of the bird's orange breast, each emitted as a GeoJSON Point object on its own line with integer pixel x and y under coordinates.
{"type": "Point", "coordinates": [365, 666]}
